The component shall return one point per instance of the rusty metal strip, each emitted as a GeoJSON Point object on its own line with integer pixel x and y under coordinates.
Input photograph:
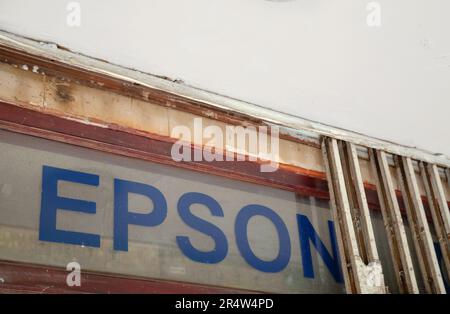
{"type": "Point", "coordinates": [370, 270]}
{"type": "Point", "coordinates": [439, 194]}
{"type": "Point", "coordinates": [359, 277]}
{"type": "Point", "coordinates": [418, 223]}
{"type": "Point", "coordinates": [438, 207]}
{"type": "Point", "coordinates": [343, 250]}
{"type": "Point", "coordinates": [401, 256]}
{"type": "Point", "coordinates": [361, 206]}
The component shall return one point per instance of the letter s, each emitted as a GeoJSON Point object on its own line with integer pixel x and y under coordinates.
{"type": "Point", "coordinates": [221, 248]}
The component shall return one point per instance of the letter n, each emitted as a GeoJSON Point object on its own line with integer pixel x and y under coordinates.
{"type": "Point", "coordinates": [307, 236]}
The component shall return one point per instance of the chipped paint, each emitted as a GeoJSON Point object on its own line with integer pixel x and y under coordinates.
{"type": "Point", "coordinates": [287, 123]}
{"type": "Point", "coordinates": [210, 114]}
{"type": "Point", "coordinates": [87, 121]}
{"type": "Point", "coordinates": [64, 93]}
{"type": "Point", "coordinates": [372, 275]}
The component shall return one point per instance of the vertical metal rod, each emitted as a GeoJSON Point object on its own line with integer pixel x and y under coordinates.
{"type": "Point", "coordinates": [347, 197]}
{"type": "Point", "coordinates": [395, 229]}
{"type": "Point", "coordinates": [341, 211]}
{"type": "Point", "coordinates": [438, 208]}
{"type": "Point", "coordinates": [362, 206]}
{"type": "Point", "coordinates": [418, 223]}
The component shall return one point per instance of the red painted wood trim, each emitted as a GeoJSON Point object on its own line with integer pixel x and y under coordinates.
{"type": "Point", "coordinates": [150, 147]}
{"type": "Point", "coordinates": [70, 73]}
{"type": "Point", "coordinates": [27, 278]}
{"type": "Point", "coordinates": [156, 148]}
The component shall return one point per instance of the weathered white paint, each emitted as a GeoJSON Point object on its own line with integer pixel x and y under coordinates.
{"type": "Point", "coordinates": [313, 59]}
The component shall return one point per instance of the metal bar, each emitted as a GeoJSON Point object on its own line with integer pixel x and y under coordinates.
{"type": "Point", "coordinates": [363, 208]}
{"type": "Point", "coordinates": [417, 219]}
{"type": "Point", "coordinates": [343, 250]}
{"type": "Point", "coordinates": [360, 278]}
{"type": "Point", "coordinates": [352, 199]}
{"type": "Point", "coordinates": [439, 194]}
{"type": "Point", "coordinates": [395, 230]}
{"type": "Point", "coordinates": [438, 208]}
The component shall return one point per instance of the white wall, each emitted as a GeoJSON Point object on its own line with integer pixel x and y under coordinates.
{"type": "Point", "coordinates": [312, 58]}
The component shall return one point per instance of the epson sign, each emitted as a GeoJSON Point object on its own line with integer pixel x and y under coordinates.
{"type": "Point", "coordinates": [112, 214]}
{"type": "Point", "coordinates": [124, 216]}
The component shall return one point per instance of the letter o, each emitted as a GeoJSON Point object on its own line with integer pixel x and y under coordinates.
{"type": "Point", "coordinates": [240, 229]}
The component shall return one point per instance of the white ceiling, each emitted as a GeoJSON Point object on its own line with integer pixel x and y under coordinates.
{"type": "Point", "coordinates": [317, 59]}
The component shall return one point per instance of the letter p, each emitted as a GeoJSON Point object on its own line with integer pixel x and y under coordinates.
{"type": "Point", "coordinates": [123, 217]}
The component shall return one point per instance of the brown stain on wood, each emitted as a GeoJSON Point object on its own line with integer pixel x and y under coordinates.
{"type": "Point", "coordinates": [69, 73]}
{"type": "Point", "coordinates": [63, 92]}
{"type": "Point", "coordinates": [156, 148]}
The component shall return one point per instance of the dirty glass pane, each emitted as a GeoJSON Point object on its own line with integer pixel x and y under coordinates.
{"type": "Point", "coordinates": [153, 251]}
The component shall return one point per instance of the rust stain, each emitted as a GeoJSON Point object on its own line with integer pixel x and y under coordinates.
{"type": "Point", "coordinates": [64, 93]}
{"type": "Point", "coordinates": [69, 73]}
